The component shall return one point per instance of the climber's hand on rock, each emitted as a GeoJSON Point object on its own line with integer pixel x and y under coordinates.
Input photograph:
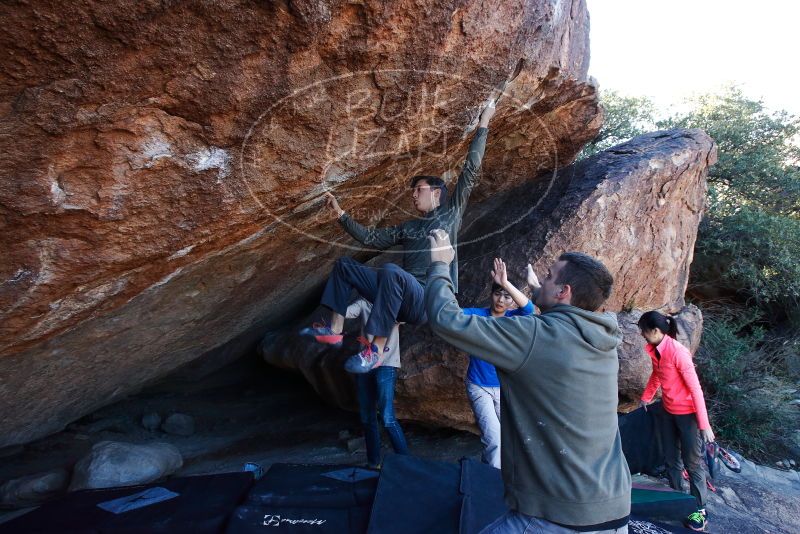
{"type": "Point", "coordinates": [643, 404]}
{"type": "Point", "coordinates": [487, 114]}
{"type": "Point", "coordinates": [441, 249]}
{"type": "Point", "coordinates": [333, 205]}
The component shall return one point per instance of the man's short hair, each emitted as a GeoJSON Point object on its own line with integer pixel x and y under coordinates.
{"type": "Point", "coordinates": [588, 278]}
{"type": "Point", "coordinates": [435, 182]}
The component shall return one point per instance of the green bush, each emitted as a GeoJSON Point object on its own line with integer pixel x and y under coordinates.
{"type": "Point", "coordinates": [753, 252]}
{"type": "Point", "coordinates": [728, 341]}
{"type": "Point", "coordinates": [731, 366]}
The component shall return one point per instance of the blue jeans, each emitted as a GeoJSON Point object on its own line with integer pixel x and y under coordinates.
{"type": "Point", "coordinates": [376, 395]}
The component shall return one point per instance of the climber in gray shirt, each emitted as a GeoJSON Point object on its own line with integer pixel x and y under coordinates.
{"type": "Point", "coordinates": [562, 462]}
{"type": "Point", "coordinates": [397, 293]}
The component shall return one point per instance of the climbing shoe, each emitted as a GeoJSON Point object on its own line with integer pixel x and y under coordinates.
{"type": "Point", "coordinates": [712, 459]}
{"type": "Point", "coordinates": [697, 521]}
{"type": "Point", "coordinates": [366, 360]}
{"type": "Point", "coordinates": [322, 333]}
{"type": "Point", "coordinates": [729, 461]}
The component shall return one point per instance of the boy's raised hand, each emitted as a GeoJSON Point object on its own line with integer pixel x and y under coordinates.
{"type": "Point", "coordinates": [499, 274]}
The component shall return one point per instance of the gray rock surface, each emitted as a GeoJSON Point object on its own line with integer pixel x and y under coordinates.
{"type": "Point", "coordinates": [760, 499]}
{"type": "Point", "coordinates": [33, 489]}
{"type": "Point", "coordinates": [111, 464]}
{"type": "Point", "coordinates": [119, 424]}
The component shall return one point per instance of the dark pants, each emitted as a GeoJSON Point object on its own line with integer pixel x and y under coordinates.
{"type": "Point", "coordinates": [376, 395]}
{"type": "Point", "coordinates": [396, 296]}
{"type": "Point", "coordinates": [679, 437]}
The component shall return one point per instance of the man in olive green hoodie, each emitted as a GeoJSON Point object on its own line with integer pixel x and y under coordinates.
{"type": "Point", "coordinates": [562, 460]}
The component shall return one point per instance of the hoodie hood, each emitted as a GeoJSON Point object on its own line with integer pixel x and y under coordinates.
{"type": "Point", "coordinates": [598, 329]}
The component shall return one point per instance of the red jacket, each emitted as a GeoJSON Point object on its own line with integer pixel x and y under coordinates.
{"type": "Point", "coordinates": [680, 388]}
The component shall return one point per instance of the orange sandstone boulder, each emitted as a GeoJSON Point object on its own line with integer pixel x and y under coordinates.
{"type": "Point", "coordinates": [162, 165]}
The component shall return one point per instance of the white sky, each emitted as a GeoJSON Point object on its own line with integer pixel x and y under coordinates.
{"type": "Point", "coordinates": [670, 49]}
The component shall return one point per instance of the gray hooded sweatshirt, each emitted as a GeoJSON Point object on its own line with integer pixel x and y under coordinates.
{"type": "Point", "coordinates": [562, 455]}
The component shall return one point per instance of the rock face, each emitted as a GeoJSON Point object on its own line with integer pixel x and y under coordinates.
{"type": "Point", "coordinates": [162, 165]}
{"type": "Point", "coordinates": [636, 207]}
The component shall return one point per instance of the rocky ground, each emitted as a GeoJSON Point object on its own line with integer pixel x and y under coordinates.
{"type": "Point", "coordinates": [249, 412]}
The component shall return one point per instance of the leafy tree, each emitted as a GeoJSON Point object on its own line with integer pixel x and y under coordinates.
{"type": "Point", "coordinates": [758, 153]}
{"type": "Point", "coordinates": [625, 118]}
{"type": "Point", "coordinates": [751, 233]}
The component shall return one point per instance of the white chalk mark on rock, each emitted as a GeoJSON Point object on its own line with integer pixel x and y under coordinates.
{"type": "Point", "coordinates": [18, 276]}
{"type": "Point", "coordinates": [182, 252]}
{"type": "Point", "coordinates": [153, 150]}
{"type": "Point", "coordinates": [166, 279]}
{"type": "Point", "coordinates": [57, 193]}
{"type": "Point", "coordinates": [211, 158]}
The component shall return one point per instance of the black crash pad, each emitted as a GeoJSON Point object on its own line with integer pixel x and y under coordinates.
{"type": "Point", "coordinates": [300, 498]}
{"type": "Point", "coordinates": [203, 505]}
{"type": "Point", "coordinates": [640, 441]}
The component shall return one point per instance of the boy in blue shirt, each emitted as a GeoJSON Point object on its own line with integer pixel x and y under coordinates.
{"type": "Point", "coordinates": [483, 386]}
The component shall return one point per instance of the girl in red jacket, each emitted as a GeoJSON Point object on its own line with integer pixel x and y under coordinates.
{"type": "Point", "coordinates": [684, 408]}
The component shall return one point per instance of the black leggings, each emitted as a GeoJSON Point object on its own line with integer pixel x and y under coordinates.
{"type": "Point", "coordinates": [679, 437]}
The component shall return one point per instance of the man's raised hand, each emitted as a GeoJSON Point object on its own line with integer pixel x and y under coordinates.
{"type": "Point", "coordinates": [441, 249]}
{"type": "Point", "coordinates": [333, 205]}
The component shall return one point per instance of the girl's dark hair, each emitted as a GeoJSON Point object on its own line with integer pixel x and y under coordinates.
{"type": "Point", "coordinates": [666, 323]}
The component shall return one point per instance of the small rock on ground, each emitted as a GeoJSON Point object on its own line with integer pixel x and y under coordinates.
{"type": "Point", "coordinates": [179, 424]}
{"type": "Point", "coordinates": [33, 489]}
{"type": "Point", "coordinates": [151, 421]}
